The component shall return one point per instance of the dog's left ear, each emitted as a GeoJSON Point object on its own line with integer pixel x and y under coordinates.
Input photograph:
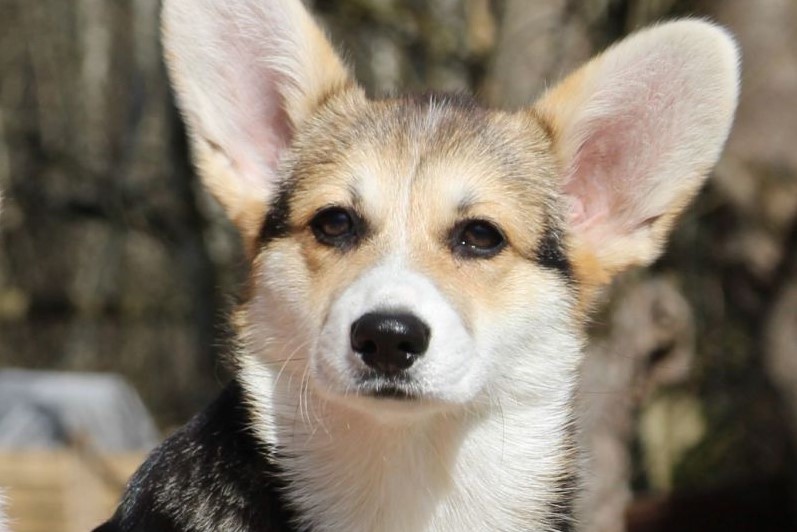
{"type": "Point", "coordinates": [636, 131]}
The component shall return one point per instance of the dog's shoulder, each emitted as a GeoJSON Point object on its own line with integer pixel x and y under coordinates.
{"type": "Point", "coordinates": [212, 474]}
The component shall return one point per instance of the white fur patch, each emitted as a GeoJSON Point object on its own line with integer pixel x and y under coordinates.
{"type": "Point", "coordinates": [450, 370]}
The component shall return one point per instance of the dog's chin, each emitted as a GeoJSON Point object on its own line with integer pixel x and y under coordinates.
{"type": "Point", "coordinates": [391, 390]}
{"type": "Point", "coordinates": [385, 399]}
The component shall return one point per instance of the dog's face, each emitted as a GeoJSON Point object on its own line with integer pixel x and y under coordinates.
{"type": "Point", "coordinates": [418, 245]}
{"type": "Point", "coordinates": [425, 251]}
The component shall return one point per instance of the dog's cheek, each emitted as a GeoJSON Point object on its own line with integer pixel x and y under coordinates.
{"type": "Point", "coordinates": [491, 298]}
{"type": "Point", "coordinates": [281, 290]}
{"type": "Point", "coordinates": [528, 330]}
{"type": "Point", "coordinates": [298, 276]}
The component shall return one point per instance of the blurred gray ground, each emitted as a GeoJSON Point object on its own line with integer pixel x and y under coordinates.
{"type": "Point", "coordinates": [112, 258]}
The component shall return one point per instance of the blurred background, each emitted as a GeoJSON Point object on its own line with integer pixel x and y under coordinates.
{"type": "Point", "coordinates": [113, 260]}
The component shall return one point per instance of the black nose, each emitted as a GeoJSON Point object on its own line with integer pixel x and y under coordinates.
{"type": "Point", "coordinates": [389, 342]}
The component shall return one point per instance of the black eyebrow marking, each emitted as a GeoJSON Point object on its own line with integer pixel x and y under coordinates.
{"type": "Point", "coordinates": [551, 251]}
{"type": "Point", "coordinates": [277, 222]}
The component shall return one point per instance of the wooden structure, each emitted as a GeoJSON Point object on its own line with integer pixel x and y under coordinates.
{"type": "Point", "coordinates": [65, 490]}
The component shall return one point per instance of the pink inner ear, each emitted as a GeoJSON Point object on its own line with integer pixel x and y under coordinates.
{"type": "Point", "coordinates": [626, 135]}
{"type": "Point", "coordinates": [236, 63]}
{"type": "Point", "coordinates": [262, 115]}
{"type": "Point", "coordinates": [252, 107]}
{"type": "Point", "coordinates": [264, 129]}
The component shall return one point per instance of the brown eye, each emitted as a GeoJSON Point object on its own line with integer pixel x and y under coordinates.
{"type": "Point", "coordinates": [477, 239]}
{"type": "Point", "coordinates": [334, 226]}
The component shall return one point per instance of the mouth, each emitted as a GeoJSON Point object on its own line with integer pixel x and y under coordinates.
{"type": "Point", "coordinates": [397, 387]}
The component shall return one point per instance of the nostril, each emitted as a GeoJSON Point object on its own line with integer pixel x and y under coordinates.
{"type": "Point", "coordinates": [368, 348]}
{"type": "Point", "coordinates": [407, 347]}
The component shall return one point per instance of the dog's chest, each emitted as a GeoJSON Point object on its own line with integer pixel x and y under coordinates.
{"type": "Point", "coordinates": [446, 478]}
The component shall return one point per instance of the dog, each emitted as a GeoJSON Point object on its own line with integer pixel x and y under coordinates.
{"type": "Point", "coordinates": [422, 269]}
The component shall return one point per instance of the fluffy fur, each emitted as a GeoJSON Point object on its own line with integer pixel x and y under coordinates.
{"type": "Point", "coordinates": [477, 433]}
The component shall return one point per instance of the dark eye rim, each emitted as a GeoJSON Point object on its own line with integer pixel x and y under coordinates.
{"type": "Point", "coordinates": [344, 240]}
{"type": "Point", "coordinates": [463, 250]}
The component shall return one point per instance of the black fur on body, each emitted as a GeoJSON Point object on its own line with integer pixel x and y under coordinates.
{"type": "Point", "coordinates": [211, 475]}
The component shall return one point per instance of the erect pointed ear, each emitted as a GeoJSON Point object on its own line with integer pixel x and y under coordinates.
{"type": "Point", "coordinates": [636, 131]}
{"type": "Point", "coordinates": [247, 74]}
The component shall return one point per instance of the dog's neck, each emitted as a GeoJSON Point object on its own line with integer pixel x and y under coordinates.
{"type": "Point", "coordinates": [504, 465]}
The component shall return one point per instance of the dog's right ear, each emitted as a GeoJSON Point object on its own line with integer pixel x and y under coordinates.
{"type": "Point", "coordinates": [247, 74]}
{"type": "Point", "coordinates": [636, 131]}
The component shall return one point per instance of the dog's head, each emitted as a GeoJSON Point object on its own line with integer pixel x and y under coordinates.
{"type": "Point", "coordinates": [426, 250]}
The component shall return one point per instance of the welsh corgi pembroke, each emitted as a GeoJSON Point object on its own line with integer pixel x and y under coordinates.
{"type": "Point", "coordinates": [421, 272]}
